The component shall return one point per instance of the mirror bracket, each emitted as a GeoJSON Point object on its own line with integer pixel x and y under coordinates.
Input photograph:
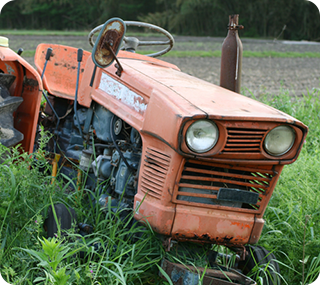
{"type": "Point", "coordinates": [118, 65]}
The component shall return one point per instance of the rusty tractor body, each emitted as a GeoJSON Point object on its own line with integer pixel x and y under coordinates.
{"type": "Point", "coordinates": [197, 161]}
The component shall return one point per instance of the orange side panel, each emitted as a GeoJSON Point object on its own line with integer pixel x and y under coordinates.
{"type": "Point", "coordinates": [158, 170]}
{"type": "Point", "coordinates": [26, 118]}
{"type": "Point", "coordinates": [61, 71]}
{"type": "Point", "coordinates": [149, 209]}
{"type": "Point", "coordinates": [28, 86]}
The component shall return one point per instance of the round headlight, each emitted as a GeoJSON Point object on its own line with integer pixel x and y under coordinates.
{"type": "Point", "coordinates": [279, 140]}
{"type": "Point", "coordinates": [202, 136]}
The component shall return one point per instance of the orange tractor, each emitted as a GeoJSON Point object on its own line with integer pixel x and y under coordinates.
{"type": "Point", "coordinates": [197, 161]}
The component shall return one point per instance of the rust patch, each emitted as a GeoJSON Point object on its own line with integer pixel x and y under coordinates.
{"type": "Point", "coordinates": [30, 82]}
{"type": "Point", "coordinates": [65, 65]}
{"type": "Point", "coordinates": [227, 238]}
{"type": "Point", "coordinates": [241, 225]}
{"type": "Point", "coordinates": [206, 238]}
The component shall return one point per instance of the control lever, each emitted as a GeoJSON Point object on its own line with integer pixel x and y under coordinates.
{"type": "Point", "coordinates": [48, 55]}
{"type": "Point", "coordinates": [79, 58]}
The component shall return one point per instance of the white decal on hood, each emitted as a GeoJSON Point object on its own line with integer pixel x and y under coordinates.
{"type": "Point", "coordinates": [122, 93]}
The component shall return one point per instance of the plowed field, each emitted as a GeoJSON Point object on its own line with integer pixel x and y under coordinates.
{"type": "Point", "coordinates": [260, 75]}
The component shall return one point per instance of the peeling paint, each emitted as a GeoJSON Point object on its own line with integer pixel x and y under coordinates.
{"type": "Point", "coordinates": [10, 70]}
{"type": "Point", "coordinates": [122, 93]}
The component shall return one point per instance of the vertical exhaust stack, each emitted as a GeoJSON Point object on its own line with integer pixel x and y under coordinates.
{"type": "Point", "coordinates": [231, 57]}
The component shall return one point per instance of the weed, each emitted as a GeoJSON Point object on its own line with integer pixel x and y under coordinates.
{"type": "Point", "coordinates": [24, 199]}
{"type": "Point", "coordinates": [54, 260]}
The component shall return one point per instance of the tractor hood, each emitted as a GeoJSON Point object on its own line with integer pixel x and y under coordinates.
{"type": "Point", "coordinates": [176, 98]}
{"type": "Point", "coordinates": [158, 100]}
{"type": "Point", "coordinates": [201, 96]}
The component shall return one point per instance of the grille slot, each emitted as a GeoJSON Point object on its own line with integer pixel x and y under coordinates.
{"type": "Point", "coordinates": [243, 140]}
{"type": "Point", "coordinates": [200, 182]}
{"type": "Point", "coordinates": [154, 172]}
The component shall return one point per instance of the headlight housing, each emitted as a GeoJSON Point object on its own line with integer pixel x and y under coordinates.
{"type": "Point", "coordinates": [202, 136]}
{"type": "Point", "coordinates": [279, 140]}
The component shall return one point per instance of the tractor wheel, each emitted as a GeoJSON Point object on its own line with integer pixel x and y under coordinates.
{"type": "Point", "coordinates": [261, 264]}
{"type": "Point", "coordinates": [65, 218]}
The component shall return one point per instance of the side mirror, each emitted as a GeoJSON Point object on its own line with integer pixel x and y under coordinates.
{"type": "Point", "coordinates": [108, 42]}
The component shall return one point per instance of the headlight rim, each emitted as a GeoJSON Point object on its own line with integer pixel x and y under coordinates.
{"type": "Point", "coordinates": [190, 148]}
{"type": "Point", "coordinates": [270, 153]}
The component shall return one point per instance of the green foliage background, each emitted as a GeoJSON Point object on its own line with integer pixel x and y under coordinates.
{"type": "Point", "coordinates": [288, 19]}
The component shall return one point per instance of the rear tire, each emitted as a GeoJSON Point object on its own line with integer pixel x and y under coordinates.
{"type": "Point", "coordinates": [65, 217]}
{"type": "Point", "coordinates": [260, 263]}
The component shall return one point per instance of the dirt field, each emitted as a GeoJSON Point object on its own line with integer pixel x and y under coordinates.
{"type": "Point", "coordinates": [259, 75]}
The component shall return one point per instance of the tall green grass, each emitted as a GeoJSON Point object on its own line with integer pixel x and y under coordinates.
{"type": "Point", "coordinates": [118, 251]}
{"type": "Point", "coordinates": [292, 228]}
{"type": "Point", "coordinates": [24, 199]}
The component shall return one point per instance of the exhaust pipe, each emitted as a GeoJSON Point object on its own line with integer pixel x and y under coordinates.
{"type": "Point", "coordinates": [231, 57]}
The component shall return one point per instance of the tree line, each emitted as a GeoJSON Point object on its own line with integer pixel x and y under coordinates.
{"type": "Point", "coordinates": [287, 19]}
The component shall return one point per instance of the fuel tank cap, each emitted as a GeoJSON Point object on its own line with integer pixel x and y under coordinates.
{"type": "Point", "coordinates": [4, 42]}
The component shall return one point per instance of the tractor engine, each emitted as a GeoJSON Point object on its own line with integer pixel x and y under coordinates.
{"type": "Point", "coordinates": [104, 149]}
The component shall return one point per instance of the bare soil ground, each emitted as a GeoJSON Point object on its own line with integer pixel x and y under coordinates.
{"type": "Point", "coordinates": [259, 75]}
